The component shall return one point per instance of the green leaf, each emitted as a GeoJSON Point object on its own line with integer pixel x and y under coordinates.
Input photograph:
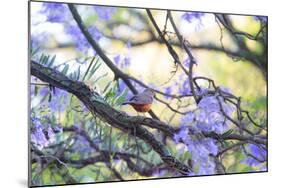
{"type": "Point", "coordinates": [110, 94]}
{"type": "Point", "coordinates": [122, 97]}
{"type": "Point", "coordinates": [78, 73]}
{"type": "Point", "coordinates": [52, 61]}
{"type": "Point", "coordinates": [41, 58]}
{"type": "Point", "coordinates": [65, 69]}
{"type": "Point", "coordinates": [45, 59]}
{"type": "Point", "coordinates": [94, 69]}
{"type": "Point", "coordinates": [34, 51]}
{"type": "Point", "coordinates": [227, 133]}
{"type": "Point", "coordinates": [108, 86]}
{"type": "Point", "coordinates": [87, 71]}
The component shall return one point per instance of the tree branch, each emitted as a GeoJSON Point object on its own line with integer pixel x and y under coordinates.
{"type": "Point", "coordinates": [122, 121]}
{"type": "Point", "coordinates": [98, 107]}
{"type": "Point", "coordinates": [117, 72]}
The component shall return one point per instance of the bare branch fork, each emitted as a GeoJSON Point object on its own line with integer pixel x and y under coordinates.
{"type": "Point", "coordinates": [103, 156]}
{"type": "Point", "coordinates": [127, 157]}
{"type": "Point", "coordinates": [192, 80]}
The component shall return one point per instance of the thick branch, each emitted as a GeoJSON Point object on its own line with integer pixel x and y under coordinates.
{"type": "Point", "coordinates": [100, 108]}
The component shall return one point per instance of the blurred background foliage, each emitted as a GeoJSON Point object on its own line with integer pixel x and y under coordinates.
{"type": "Point", "coordinates": [58, 43]}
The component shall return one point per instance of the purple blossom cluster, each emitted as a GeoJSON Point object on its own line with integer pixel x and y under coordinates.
{"type": "Point", "coordinates": [104, 13]}
{"type": "Point", "coordinates": [258, 155]}
{"type": "Point", "coordinates": [210, 116]}
{"type": "Point", "coordinates": [168, 90]}
{"type": "Point", "coordinates": [261, 18]}
{"type": "Point", "coordinates": [207, 118]}
{"type": "Point", "coordinates": [81, 43]}
{"type": "Point", "coordinates": [59, 13]}
{"type": "Point", "coordinates": [55, 12]}
{"type": "Point", "coordinates": [186, 62]}
{"type": "Point", "coordinates": [201, 149]}
{"type": "Point", "coordinates": [122, 86]}
{"type": "Point", "coordinates": [42, 134]}
{"type": "Point", "coordinates": [123, 60]}
{"type": "Point", "coordinates": [185, 88]}
{"type": "Point", "coordinates": [58, 100]}
{"type": "Point", "coordinates": [191, 16]}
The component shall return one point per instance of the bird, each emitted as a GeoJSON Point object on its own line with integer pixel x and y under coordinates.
{"type": "Point", "coordinates": [142, 102]}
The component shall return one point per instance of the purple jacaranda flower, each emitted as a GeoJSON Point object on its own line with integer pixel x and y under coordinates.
{"type": "Point", "coordinates": [182, 134]}
{"type": "Point", "coordinates": [116, 59]}
{"type": "Point", "coordinates": [55, 12]}
{"type": "Point", "coordinates": [226, 107]}
{"type": "Point", "coordinates": [200, 147]}
{"type": "Point", "coordinates": [168, 90]}
{"type": "Point", "coordinates": [210, 145]}
{"type": "Point", "coordinates": [185, 89]}
{"type": "Point", "coordinates": [186, 62]}
{"type": "Point", "coordinates": [188, 118]}
{"type": "Point", "coordinates": [261, 18]}
{"type": "Point", "coordinates": [209, 104]}
{"type": "Point", "coordinates": [50, 131]}
{"type": "Point", "coordinates": [259, 155]}
{"type": "Point", "coordinates": [128, 45]}
{"type": "Point", "coordinates": [207, 167]}
{"type": "Point", "coordinates": [78, 38]}
{"type": "Point", "coordinates": [203, 147]}
{"type": "Point", "coordinates": [104, 13]}
{"type": "Point", "coordinates": [201, 91]}
{"type": "Point", "coordinates": [191, 16]}
{"type": "Point", "coordinates": [225, 89]}
{"type": "Point", "coordinates": [127, 61]}
{"type": "Point", "coordinates": [121, 88]}
{"type": "Point", "coordinates": [201, 150]}
{"type": "Point", "coordinates": [213, 104]}
{"type": "Point", "coordinates": [44, 91]}
{"type": "Point", "coordinates": [201, 116]}
{"type": "Point", "coordinates": [37, 135]}
{"type": "Point", "coordinates": [122, 61]}
{"type": "Point", "coordinates": [42, 132]}
{"type": "Point", "coordinates": [209, 125]}
{"type": "Point", "coordinates": [96, 34]}
{"type": "Point", "coordinates": [211, 121]}
{"type": "Point", "coordinates": [58, 101]}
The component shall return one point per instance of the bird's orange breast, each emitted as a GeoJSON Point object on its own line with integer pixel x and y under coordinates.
{"type": "Point", "coordinates": [141, 107]}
